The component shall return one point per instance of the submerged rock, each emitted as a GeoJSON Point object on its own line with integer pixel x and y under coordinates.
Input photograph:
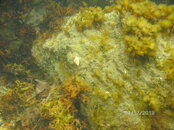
{"type": "Point", "coordinates": [127, 92]}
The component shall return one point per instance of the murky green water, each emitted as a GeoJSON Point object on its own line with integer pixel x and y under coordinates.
{"type": "Point", "coordinates": [86, 64]}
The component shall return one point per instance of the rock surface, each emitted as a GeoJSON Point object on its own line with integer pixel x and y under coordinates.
{"type": "Point", "coordinates": [127, 92]}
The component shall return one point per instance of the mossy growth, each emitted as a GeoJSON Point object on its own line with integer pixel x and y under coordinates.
{"type": "Point", "coordinates": [144, 46]}
{"type": "Point", "coordinates": [168, 67]}
{"type": "Point", "coordinates": [55, 107]}
{"type": "Point", "coordinates": [15, 100]}
{"type": "Point", "coordinates": [143, 21]}
{"type": "Point", "coordinates": [74, 87]}
{"type": "Point", "coordinates": [101, 117]}
{"type": "Point", "coordinates": [59, 109]}
{"type": "Point", "coordinates": [4, 52]}
{"type": "Point", "coordinates": [103, 41]}
{"type": "Point", "coordinates": [152, 101]}
{"type": "Point", "coordinates": [17, 69]}
{"type": "Point", "coordinates": [171, 102]}
{"type": "Point", "coordinates": [148, 9]}
{"type": "Point", "coordinates": [89, 17]}
{"type": "Point", "coordinates": [156, 14]}
{"type": "Point", "coordinates": [140, 36]}
{"type": "Point", "coordinates": [103, 94]}
{"type": "Point", "coordinates": [103, 105]}
{"type": "Point", "coordinates": [56, 14]}
{"type": "Point", "coordinates": [54, 111]}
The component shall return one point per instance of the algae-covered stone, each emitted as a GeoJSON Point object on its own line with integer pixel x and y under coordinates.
{"type": "Point", "coordinates": [126, 92]}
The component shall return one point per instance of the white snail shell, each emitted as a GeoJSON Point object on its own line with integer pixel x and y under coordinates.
{"type": "Point", "coordinates": [77, 60]}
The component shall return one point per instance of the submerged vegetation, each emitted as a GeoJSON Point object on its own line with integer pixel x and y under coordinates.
{"type": "Point", "coordinates": [141, 36]}
{"type": "Point", "coordinates": [31, 109]}
{"type": "Point", "coordinates": [143, 25]}
{"type": "Point", "coordinates": [169, 67]}
{"type": "Point", "coordinates": [89, 17]}
{"type": "Point", "coordinates": [82, 64]}
{"type": "Point", "coordinates": [59, 108]}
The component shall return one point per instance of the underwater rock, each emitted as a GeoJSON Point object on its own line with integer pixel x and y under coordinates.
{"type": "Point", "coordinates": [127, 92]}
{"type": "Point", "coordinates": [35, 16]}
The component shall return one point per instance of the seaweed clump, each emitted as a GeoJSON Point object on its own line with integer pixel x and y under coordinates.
{"type": "Point", "coordinates": [143, 21]}
{"type": "Point", "coordinates": [56, 15]}
{"type": "Point", "coordinates": [30, 109]}
{"type": "Point", "coordinates": [17, 70]}
{"type": "Point", "coordinates": [140, 36]}
{"type": "Point", "coordinates": [59, 109]}
{"type": "Point", "coordinates": [16, 101]}
{"type": "Point", "coordinates": [89, 17]}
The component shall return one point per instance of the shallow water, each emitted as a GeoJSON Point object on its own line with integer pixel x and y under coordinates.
{"type": "Point", "coordinates": [86, 64]}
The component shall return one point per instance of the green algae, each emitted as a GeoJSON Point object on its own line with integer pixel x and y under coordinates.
{"type": "Point", "coordinates": [122, 60]}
